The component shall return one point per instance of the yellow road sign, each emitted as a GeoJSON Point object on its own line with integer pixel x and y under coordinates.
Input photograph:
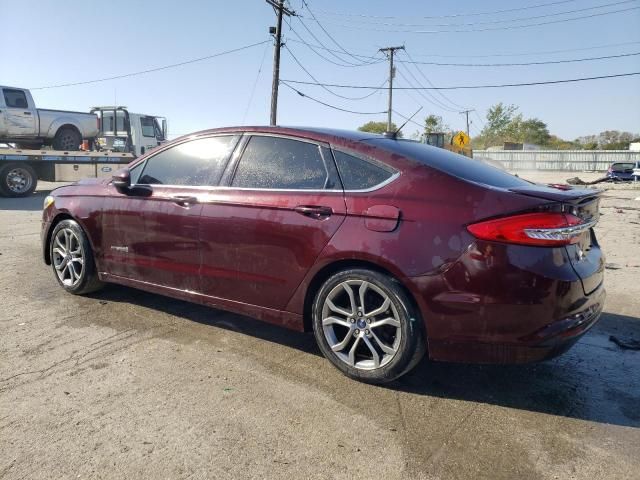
{"type": "Point", "coordinates": [461, 139]}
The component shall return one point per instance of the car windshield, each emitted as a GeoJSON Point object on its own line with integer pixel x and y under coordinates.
{"type": "Point", "coordinates": [621, 167]}
{"type": "Point", "coordinates": [453, 164]}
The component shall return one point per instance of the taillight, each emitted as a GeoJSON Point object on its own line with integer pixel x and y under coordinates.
{"type": "Point", "coordinates": [539, 229]}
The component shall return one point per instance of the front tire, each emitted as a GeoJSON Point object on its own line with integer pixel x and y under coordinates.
{"type": "Point", "coordinates": [367, 326]}
{"type": "Point", "coordinates": [17, 180]}
{"type": "Point", "coordinates": [72, 259]}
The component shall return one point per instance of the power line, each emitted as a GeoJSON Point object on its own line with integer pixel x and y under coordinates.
{"type": "Point", "coordinates": [500, 21]}
{"type": "Point", "coordinates": [433, 101]}
{"type": "Point", "coordinates": [488, 29]}
{"type": "Point", "coordinates": [345, 63]}
{"type": "Point", "coordinates": [461, 87]}
{"type": "Point", "coordinates": [255, 84]}
{"type": "Point", "coordinates": [472, 14]}
{"type": "Point", "coordinates": [313, 48]}
{"type": "Point", "coordinates": [157, 69]}
{"type": "Point", "coordinates": [455, 105]}
{"type": "Point", "coordinates": [325, 88]}
{"type": "Point", "coordinates": [284, 82]}
{"type": "Point", "coordinates": [518, 54]}
{"type": "Point", "coordinates": [328, 34]}
{"type": "Point", "coordinates": [549, 62]}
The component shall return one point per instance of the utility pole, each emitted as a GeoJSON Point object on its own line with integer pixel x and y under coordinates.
{"type": "Point", "coordinates": [280, 9]}
{"type": "Point", "coordinates": [390, 51]}
{"type": "Point", "coordinates": [466, 112]}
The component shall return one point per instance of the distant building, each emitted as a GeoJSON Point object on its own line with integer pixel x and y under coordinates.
{"type": "Point", "coordinates": [634, 146]}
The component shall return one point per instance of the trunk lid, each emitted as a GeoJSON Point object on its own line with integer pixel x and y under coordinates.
{"type": "Point", "coordinates": [586, 257]}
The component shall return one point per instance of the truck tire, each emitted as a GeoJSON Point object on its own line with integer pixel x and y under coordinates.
{"type": "Point", "coordinates": [17, 179]}
{"type": "Point", "coordinates": [67, 139]}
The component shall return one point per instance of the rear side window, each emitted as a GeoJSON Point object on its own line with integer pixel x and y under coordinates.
{"type": "Point", "coordinates": [470, 169]}
{"type": "Point", "coordinates": [283, 163]}
{"type": "Point", "coordinates": [194, 163]}
{"type": "Point", "coordinates": [359, 174]}
{"type": "Point", "coordinates": [14, 98]}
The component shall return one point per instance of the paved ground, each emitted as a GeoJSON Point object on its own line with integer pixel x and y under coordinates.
{"type": "Point", "coordinates": [126, 384]}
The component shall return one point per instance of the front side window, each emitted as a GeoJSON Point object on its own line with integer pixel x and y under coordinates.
{"type": "Point", "coordinates": [14, 98]}
{"type": "Point", "coordinates": [282, 163]}
{"type": "Point", "coordinates": [359, 174]}
{"type": "Point", "coordinates": [195, 163]}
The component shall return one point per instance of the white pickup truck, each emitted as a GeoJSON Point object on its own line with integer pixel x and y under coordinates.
{"type": "Point", "coordinates": [30, 127]}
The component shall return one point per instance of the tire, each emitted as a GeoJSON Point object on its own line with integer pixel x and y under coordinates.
{"type": "Point", "coordinates": [68, 244]}
{"type": "Point", "coordinates": [17, 179]}
{"type": "Point", "coordinates": [390, 325]}
{"type": "Point", "coordinates": [67, 139]}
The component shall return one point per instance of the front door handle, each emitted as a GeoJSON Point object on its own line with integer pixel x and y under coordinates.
{"type": "Point", "coordinates": [314, 211]}
{"type": "Point", "coordinates": [184, 200]}
{"type": "Point", "coordinates": [27, 113]}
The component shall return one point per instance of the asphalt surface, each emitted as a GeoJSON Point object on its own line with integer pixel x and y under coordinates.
{"type": "Point", "coordinates": [125, 384]}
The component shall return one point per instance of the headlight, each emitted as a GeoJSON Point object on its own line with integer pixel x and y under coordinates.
{"type": "Point", "coordinates": [48, 200]}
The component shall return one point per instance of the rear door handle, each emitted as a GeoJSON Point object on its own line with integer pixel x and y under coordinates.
{"type": "Point", "coordinates": [184, 200]}
{"type": "Point", "coordinates": [27, 113]}
{"type": "Point", "coordinates": [314, 211]}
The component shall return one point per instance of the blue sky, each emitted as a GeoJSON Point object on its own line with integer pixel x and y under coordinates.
{"type": "Point", "coordinates": [49, 42]}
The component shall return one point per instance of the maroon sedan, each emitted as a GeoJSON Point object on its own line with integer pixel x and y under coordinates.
{"type": "Point", "coordinates": [385, 248]}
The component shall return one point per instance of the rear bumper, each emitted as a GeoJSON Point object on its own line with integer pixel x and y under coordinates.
{"type": "Point", "coordinates": [506, 304]}
{"type": "Point", "coordinates": [550, 341]}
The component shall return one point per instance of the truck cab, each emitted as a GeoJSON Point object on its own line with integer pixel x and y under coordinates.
{"type": "Point", "coordinates": [123, 131]}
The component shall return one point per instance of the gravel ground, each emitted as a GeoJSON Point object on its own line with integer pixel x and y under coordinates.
{"type": "Point", "coordinates": [125, 384]}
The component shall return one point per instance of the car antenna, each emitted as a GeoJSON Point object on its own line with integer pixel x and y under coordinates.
{"type": "Point", "coordinates": [394, 135]}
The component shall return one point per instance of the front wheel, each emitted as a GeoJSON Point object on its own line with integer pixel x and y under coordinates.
{"type": "Point", "coordinates": [17, 180]}
{"type": "Point", "coordinates": [72, 259]}
{"type": "Point", "coordinates": [366, 326]}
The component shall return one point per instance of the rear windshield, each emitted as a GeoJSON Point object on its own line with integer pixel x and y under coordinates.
{"type": "Point", "coordinates": [621, 167]}
{"type": "Point", "coordinates": [453, 164]}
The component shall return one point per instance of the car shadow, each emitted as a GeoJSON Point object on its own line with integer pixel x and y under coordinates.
{"type": "Point", "coordinates": [595, 381]}
{"type": "Point", "coordinates": [28, 204]}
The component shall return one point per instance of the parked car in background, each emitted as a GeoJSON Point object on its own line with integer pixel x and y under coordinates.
{"type": "Point", "coordinates": [384, 248]}
{"type": "Point", "coordinates": [623, 170]}
{"type": "Point", "coordinates": [30, 127]}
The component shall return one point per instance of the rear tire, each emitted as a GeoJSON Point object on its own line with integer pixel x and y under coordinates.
{"type": "Point", "coordinates": [68, 139]}
{"type": "Point", "coordinates": [375, 342]}
{"type": "Point", "coordinates": [17, 179]}
{"type": "Point", "coordinates": [72, 259]}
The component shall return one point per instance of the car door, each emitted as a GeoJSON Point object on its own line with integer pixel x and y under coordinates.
{"type": "Point", "coordinates": [19, 119]}
{"type": "Point", "coordinates": [260, 234]}
{"type": "Point", "coordinates": [151, 233]}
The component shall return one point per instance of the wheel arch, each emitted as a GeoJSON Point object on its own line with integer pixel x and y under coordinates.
{"type": "Point", "coordinates": [58, 125]}
{"type": "Point", "coordinates": [344, 264]}
{"type": "Point", "coordinates": [56, 220]}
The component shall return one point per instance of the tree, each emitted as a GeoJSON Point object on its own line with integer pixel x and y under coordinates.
{"type": "Point", "coordinates": [499, 117]}
{"type": "Point", "coordinates": [434, 123]}
{"type": "Point", "coordinates": [378, 127]}
{"type": "Point", "coordinates": [532, 130]}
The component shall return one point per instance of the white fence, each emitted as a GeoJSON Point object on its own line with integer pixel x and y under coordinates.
{"type": "Point", "coordinates": [568, 160]}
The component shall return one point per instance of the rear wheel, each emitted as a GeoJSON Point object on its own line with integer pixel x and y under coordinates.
{"type": "Point", "coordinates": [17, 180]}
{"type": "Point", "coordinates": [367, 326]}
{"type": "Point", "coordinates": [67, 139]}
{"type": "Point", "coordinates": [72, 259]}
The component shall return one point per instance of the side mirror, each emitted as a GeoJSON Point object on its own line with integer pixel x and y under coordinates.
{"type": "Point", "coordinates": [121, 180]}
{"type": "Point", "coordinates": [164, 128]}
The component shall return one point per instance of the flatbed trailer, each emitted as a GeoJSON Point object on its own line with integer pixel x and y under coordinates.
{"type": "Point", "coordinates": [21, 169]}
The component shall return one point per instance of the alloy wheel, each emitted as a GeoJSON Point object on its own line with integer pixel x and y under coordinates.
{"type": "Point", "coordinates": [361, 324]}
{"type": "Point", "coordinates": [68, 257]}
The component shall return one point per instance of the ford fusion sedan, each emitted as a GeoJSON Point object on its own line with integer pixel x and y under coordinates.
{"type": "Point", "coordinates": [384, 248]}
